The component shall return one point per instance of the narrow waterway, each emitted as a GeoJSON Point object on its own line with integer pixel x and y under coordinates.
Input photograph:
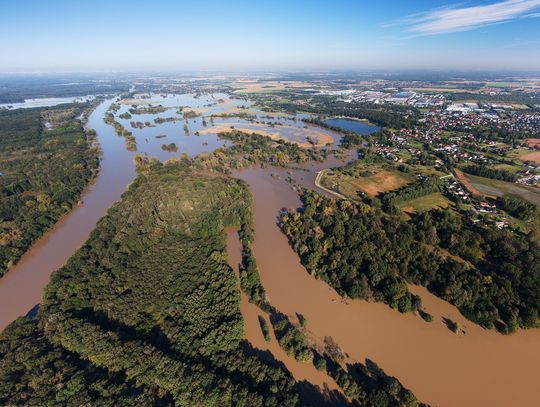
{"type": "Point", "coordinates": [322, 390]}
{"type": "Point", "coordinates": [21, 288]}
{"type": "Point", "coordinates": [479, 368]}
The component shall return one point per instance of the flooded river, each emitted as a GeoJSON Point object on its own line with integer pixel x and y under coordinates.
{"type": "Point", "coordinates": [479, 368]}
{"type": "Point", "coordinates": [21, 288]}
{"type": "Point", "coordinates": [302, 372]}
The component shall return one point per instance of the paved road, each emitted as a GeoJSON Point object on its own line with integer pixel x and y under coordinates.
{"type": "Point", "coordinates": [318, 185]}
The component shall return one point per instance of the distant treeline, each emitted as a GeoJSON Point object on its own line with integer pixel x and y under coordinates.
{"type": "Point", "coordinates": [392, 116]}
{"type": "Point", "coordinates": [522, 98]}
{"type": "Point", "coordinates": [488, 172]}
{"type": "Point", "coordinates": [385, 115]}
{"type": "Point", "coordinates": [16, 90]}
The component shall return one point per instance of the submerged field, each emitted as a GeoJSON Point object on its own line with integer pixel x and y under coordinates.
{"type": "Point", "coordinates": [155, 121]}
{"type": "Point", "coordinates": [189, 293]}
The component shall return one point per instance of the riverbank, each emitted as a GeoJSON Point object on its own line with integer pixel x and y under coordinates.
{"type": "Point", "coordinates": [440, 367]}
{"type": "Point", "coordinates": [48, 160]}
{"type": "Point", "coordinates": [22, 287]}
{"type": "Point", "coordinates": [302, 372]}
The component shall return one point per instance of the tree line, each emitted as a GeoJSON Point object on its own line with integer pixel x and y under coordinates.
{"type": "Point", "coordinates": [493, 276]}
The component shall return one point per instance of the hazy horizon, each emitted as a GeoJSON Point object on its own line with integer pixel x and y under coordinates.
{"type": "Point", "coordinates": [62, 36]}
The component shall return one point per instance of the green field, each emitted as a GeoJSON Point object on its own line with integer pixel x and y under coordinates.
{"type": "Point", "coordinates": [425, 203]}
{"type": "Point", "coordinates": [369, 178]}
{"type": "Point", "coordinates": [495, 187]}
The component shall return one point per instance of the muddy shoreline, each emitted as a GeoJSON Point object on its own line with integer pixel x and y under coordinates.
{"type": "Point", "coordinates": [479, 367]}
{"type": "Point", "coordinates": [21, 288]}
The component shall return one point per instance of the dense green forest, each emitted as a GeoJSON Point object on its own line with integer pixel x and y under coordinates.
{"type": "Point", "coordinates": [497, 98]}
{"type": "Point", "coordinates": [147, 311]}
{"type": "Point", "coordinates": [517, 207]}
{"type": "Point", "coordinates": [44, 169]}
{"type": "Point", "coordinates": [493, 276]}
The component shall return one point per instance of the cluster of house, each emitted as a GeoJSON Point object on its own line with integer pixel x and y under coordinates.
{"type": "Point", "coordinates": [392, 96]}
{"type": "Point", "coordinates": [504, 117]}
{"type": "Point", "coordinates": [479, 209]}
{"type": "Point", "coordinates": [390, 153]}
{"type": "Point", "coordinates": [523, 122]}
{"type": "Point", "coordinates": [487, 208]}
{"type": "Point", "coordinates": [442, 119]}
{"type": "Point", "coordinates": [528, 178]}
{"type": "Point", "coordinates": [449, 145]}
{"type": "Point", "coordinates": [454, 188]}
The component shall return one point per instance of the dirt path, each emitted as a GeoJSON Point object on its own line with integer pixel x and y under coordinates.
{"type": "Point", "coordinates": [465, 182]}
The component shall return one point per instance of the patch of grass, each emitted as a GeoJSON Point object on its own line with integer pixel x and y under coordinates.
{"type": "Point", "coordinates": [495, 187]}
{"type": "Point", "coordinates": [382, 181]}
{"type": "Point", "coordinates": [425, 203]}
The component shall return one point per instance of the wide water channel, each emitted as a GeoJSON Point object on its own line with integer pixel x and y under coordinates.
{"type": "Point", "coordinates": [480, 368]}
{"type": "Point", "coordinates": [21, 288]}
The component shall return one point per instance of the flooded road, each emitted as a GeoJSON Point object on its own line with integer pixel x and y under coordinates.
{"type": "Point", "coordinates": [479, 368]}
{"type": "Point", "coordinates": [21, 288]}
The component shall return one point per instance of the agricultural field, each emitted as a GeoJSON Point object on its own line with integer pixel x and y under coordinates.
{"type": "Point", "coordinates": [425, 203]}
{"type": "Point", "coordinates": [493, 187]}
{"type": "Point", "coordinates": [364, 178]}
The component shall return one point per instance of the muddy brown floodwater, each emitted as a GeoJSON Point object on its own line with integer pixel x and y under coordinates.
{"type": "Point", "coordinates": [478, 368]}
{"type": "Point", "coordinates": [302, 372]}
{"type": "Point", "coordinates": [21, 288]}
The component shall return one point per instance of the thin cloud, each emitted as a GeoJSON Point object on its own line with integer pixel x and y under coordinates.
{"type": "Point", "coordinates": [458, 18]}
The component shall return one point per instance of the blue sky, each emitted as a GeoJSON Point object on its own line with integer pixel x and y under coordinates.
{"type": "Point", "coordinates": [135, 35]}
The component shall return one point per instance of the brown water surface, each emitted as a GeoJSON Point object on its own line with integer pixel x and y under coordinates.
{"type": "Point", "coordinates": [22, 286]}
{"type": "Point", "coordinates": [478, 368]}
{"type": "Point", "coordinates": [253, 333]}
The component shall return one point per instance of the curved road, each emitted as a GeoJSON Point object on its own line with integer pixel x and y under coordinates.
{"type": "Point", "coordinates": [318, 185]}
